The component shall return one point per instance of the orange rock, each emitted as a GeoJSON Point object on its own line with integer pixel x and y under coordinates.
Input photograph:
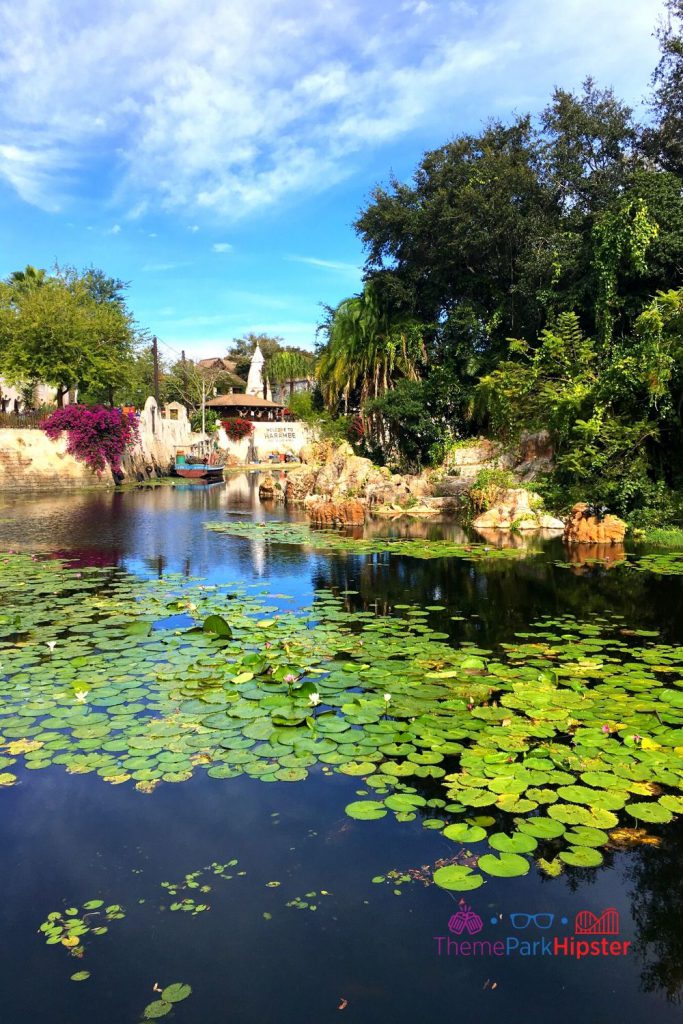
{"type": "Point", "coordinates": [342, 513]}
{"type": "Point", "coordinates": [582, 529]}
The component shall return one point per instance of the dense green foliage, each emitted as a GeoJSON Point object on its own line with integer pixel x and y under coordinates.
{"type": "Point", "coordinates": [564, 231]}
{"type": "Point", "coordinates": [70, 330]}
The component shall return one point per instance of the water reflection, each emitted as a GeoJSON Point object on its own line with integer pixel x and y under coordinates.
{"type": "Point", "coordinates": [101, 838]}
{"type": "Point", "coordinates": [657, 909]}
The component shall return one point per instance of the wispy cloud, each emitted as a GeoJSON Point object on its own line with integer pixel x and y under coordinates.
{"type": "Point", "coordinates": [172, 112]}
{"type": "Point", "coordinates": [162, 267]}
{"type": "Point", "coordinates": [336, 265]}
{"type": "Point", "coordinates": [114, 230]}
{"type": "Point", "coordinates": [221, 247]}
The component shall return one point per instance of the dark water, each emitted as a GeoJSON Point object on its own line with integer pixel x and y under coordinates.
{"type": "Point", "coordinates": [366, 954]}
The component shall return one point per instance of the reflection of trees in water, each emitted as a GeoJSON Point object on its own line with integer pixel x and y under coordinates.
{"type": "Point", "coordinates": [498, 598]}
{"type": "Point", "coordinates": [657, 909]}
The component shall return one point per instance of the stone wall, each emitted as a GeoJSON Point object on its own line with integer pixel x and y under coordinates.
{"type": "Point", "coordinates": [29, 460]}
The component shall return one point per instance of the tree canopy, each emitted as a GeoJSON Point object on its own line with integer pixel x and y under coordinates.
{"type": "Point", "coordinates": [563, 231]}
{"type": "Point", "coordinates": [67, 329]}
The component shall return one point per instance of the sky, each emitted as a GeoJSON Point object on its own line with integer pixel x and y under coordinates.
{"type": "Point", "coordinates": [216, 154]}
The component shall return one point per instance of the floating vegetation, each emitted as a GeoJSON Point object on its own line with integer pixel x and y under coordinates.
{"type": "Point", "coordinates": [69, 927]}
{"type": "Point", "coordinates": [309, 901]}
{"type": "Point", "coordinates": [195, 881]}
{"type": "Point", "coordinates": [170, 996]}
{"type": "Point", "coordinates": [548, 744]}
{"type": "Point", "coordinates": [299, 534]}
{"type": "Point", "coordinates": [669, 563]}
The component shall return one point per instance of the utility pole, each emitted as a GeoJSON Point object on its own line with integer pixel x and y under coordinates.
{"type": "Point", "coordinates": [155, 357]}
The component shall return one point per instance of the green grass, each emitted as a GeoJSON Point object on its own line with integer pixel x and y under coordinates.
{"type": "Point", "coordinates": [665, 537]}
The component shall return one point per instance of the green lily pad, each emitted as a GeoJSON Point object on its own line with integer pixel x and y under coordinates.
{"type": "Point", "coordinates": [365, 810]}
{"type": "Point", "coordinates": [515, 843]}
{"type": "Point", "coordinates": [176, 992]}
{"type": "Point", "coordinates": [581, 857]}
{"type": "Point", "coordinates": [653, 812]}
{"type": "Point", "coordinates": [460, 832]}
{"type": "Point", "coordinates": [507, 865]}
{"type": "Point", "coordinates": [457, 878]}
{"type": "Point", "coordinates": [157, 1009]}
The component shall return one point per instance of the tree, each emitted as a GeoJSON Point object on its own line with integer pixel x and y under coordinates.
{"type": "Point", "coordinates": [26, 279]}
{"type": "Point", "coordinates": [53, 330]}
{"type": "Point", "coordinates": [665, 141]}
{"type": "Point", "coordinates": [289, 365]}
{"type": "Point", "coordinates": [471, 240]}
{"type": "Point", "coordinates": [191, 384]}
{"type": "Point", "coordinates": [588, 145]}
{"type": "Point", "coordinates": [242, 349]}
{"type": "Point", "coordinates": [367, 350]}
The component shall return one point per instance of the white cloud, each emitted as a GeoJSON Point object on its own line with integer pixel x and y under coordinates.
{"type": "Point", "coordinates": [336, 265]}
{"type": "Point", "coordinates": [230, 108]}
{"type": "Point", "coordinates": [162, 267]}
{"type": "Point", "coordinates": [115, 230]}
{"type": "Point", "coordinates": [221, 247]}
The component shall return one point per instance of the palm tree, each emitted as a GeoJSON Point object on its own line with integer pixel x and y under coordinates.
{"type": "Point", "coordinates": [288, 366]}
{"type": "Point", "coordinates": [27, 279]}
{"type": "Point", "coordinates": [367, 350]}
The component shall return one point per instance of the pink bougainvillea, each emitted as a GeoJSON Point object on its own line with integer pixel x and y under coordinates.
{"type": "Point", "coordinates": [96, 436]}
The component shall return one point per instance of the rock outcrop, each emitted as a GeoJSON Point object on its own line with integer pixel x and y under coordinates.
{"type": "Point", "coordinates": [300, 483]}
{"type": "Point", "coordinates": [341, 513]}
{"type": "Point", "coordinates": [585, 528]}
{"type": "Point", "coordinates": [266, 488]}
{"type": "Point", "coordinates": [517, 508]}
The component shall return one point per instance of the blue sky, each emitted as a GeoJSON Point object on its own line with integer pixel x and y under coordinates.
{"type": "Point", "coordinates": [215, 154]}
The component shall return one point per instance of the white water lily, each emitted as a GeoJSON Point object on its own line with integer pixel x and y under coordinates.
{"type": "Point", "coordinates": [51, 644]}
{"type": "Point", "coordinates": [81, 696]}
{"type": "Point", "coordinates": [387, 697]}
{"type": "Point", "coordinates": [314, 699]}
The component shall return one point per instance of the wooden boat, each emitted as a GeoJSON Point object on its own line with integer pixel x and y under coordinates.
{"type": "Point", "coordinates": [199, 464]}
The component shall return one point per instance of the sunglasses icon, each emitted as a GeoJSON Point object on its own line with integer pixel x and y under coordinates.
{"type": "Point", "coordinates": [524, 920]}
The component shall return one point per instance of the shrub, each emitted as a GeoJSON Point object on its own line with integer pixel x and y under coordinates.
{"type": "Point", "coordinates": [210, 419]}
{"type": "Point", "coordinates": [96, 436]}
{"type": "Point", "coordinates": [488, 486]}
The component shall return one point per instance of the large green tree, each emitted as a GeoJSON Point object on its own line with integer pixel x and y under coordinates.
{"type": "Point", "coordinates": [664, 141]}
{"type": "Point", "coordinates": [60, 330]}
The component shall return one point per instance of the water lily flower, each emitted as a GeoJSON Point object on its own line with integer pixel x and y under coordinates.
{"type": "Point", "coordinates": [314, 699]}
{"type": "Point", "coordinates": [191, 606]}
{"type": "Point", "coordinates": [51, 644]}
{"type": "Point", "coordinates": [606, 729]}
{"type": "Point", "coordinates": [289, 678]}
{"type": "Point", "coordinates": [387, 697]}
{"type": "Point", "coordinates": [81, 696]}
{"type": "Point", "coordinates": [637, 738]}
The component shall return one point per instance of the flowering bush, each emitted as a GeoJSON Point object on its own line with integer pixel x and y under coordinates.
{"type": "Point", "coordinates": [236, 429]}
{"type": "Point", "coordinates": [96, 436]}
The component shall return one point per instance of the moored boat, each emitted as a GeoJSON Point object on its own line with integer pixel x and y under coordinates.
{"type": "Point", "coordinates": [195, 464]}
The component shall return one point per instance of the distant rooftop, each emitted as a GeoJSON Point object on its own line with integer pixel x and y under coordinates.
{"type": "Point", "coordinates": [242, 401]}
